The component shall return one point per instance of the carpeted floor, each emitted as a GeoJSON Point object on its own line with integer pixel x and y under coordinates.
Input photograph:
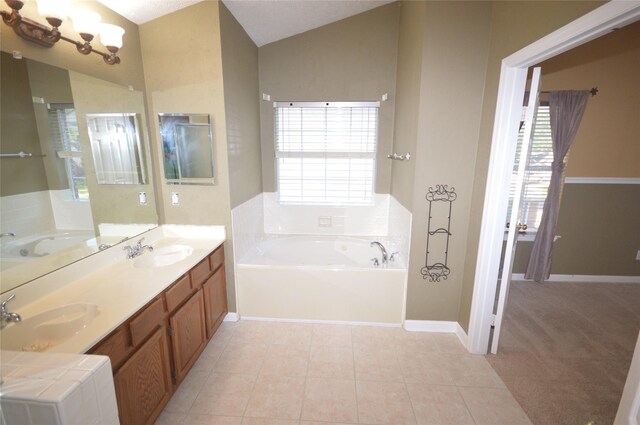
{"type": "Point", "coordinates": [566, 348]}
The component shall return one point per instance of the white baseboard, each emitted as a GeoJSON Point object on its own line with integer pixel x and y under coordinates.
{"type": "Point", "coordinates": [231, 317]}
{"type": "Point", "coordinates": [586, 278]}
{"type": "Point", "coordinates": [602, 180]}
{"type": "Point", "coordinates": [437, 326]}
{"type": "Point", "coordinates": [326, 322]}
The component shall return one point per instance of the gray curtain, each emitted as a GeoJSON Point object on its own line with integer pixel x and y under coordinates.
{"type": "Point", "coordinates": [566, 109]}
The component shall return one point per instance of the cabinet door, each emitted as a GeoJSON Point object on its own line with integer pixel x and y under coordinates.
{"type": "Point", "coordinates": [143, 383]}
{"type": "Point", "coordinates": [187, 334]}
{"type": "Point", "coordinates": [215, 300]}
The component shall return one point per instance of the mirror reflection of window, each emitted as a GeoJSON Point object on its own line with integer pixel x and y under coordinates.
{"type": "Point", "coordinates": [116, 150]}
{"type": "Point", "coordinates": [187, 148]}
{"type": "Point", "coordinates": [66, 142]}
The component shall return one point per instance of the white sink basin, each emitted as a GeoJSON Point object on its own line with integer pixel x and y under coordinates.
{"type": "Point", "coordinates": [48, 329]}
{"type": "Point", "coordinates": [165, 256]}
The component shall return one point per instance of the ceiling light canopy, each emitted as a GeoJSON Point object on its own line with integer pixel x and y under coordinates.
{"type": "Point", "coordinates": [85, 22]}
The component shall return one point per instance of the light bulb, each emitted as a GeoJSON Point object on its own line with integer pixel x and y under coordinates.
{"type": "Point", "coordinates": [86, 22]}
{"type": "Point", "coordinates": [57, 9]}
{"type": "Point", "coordinates": [111, 35]}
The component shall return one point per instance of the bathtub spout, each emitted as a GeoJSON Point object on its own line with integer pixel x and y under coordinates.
{"type": "Point", "coordinates": [2, 235]}
{"type": "Point", "coordinates": [385, 258]}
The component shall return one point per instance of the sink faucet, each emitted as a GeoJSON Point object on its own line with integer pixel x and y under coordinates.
{"type": "Point", "coordinates": [137, 249]}
{"type": "Point", "coordinates": [6, 316]}
{"type": "Point", "coordinates": [385, 258]}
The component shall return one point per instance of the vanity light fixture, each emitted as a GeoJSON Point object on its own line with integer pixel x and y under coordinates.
{"type": "Point", "coordinates": [85, 22]}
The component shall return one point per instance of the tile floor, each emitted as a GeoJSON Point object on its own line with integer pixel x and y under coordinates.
{"type": "Point", "coordinates": [269, 373]}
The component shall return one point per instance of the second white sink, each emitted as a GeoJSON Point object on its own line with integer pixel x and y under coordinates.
{"type": "Point", "coordinates": [165, 256]}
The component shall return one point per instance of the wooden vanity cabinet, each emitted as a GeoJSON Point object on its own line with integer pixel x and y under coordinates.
{"type": "Point", "coordinates": [143, 384]}
{"type": "Point", "coordinates": [188, 336]}
{"type": "Point", "coordinates": [152, 352]}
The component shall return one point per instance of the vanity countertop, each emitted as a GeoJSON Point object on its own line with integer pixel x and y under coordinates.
{"type": "Point", "coordinates": [113, 283]}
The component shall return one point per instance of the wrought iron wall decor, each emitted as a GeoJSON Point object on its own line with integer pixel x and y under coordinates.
{"type": "Point", "coordinates": [438, 270]}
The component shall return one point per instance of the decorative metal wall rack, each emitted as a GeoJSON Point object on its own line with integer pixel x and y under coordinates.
{"type": "Point", "coordinates": [438, 270]}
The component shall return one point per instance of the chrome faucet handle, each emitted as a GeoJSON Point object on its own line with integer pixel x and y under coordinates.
{"type": "Point", "coordinates": [376, 263]}
{"type": "Point", "coordinates": [393, 255]}
{"type": "Point", "coordinates": [3, 306]}
{"type": "Point", "coordinates": [130, 250]}
{"type": "Point", "coordinates": [139, 244]}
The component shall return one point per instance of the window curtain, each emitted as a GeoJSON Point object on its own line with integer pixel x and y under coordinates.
{"type": "Point", "coordinates": [566, 109]}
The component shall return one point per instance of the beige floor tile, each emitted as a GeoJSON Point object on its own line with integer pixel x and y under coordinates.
{"type": "Point", "coordinates": [264, 421]}
{"type": "Point", "coordinates": [331, 335]}
{"type": "Point", "coordinates": [438, 405]}
{"type": "Point", "coordinates": [206, 363]}
{"type": "Point", "coordinates": [215, 347]}
{"type": "Point", "coordinates": [415, 341]}
{"type": "Point", "coordinates": [196, 419]}
{"type": "Point", "coordinates": [331, 362]}
{"type": "Point", "coordinates": [425, 368]}
{"type": "Point", "coordinates": [372, 336]}
{"type": "Point", "coordinates": [290, 333]}
{"type": "Point", "coordinates": [169, 418]}
{"type": "Point", "coordinates": [384, 403]}
{"type": "Point", "coordinates": [252, 332]}
{"type": "Point", "coordinates": [241, 358]}
{"type": "Point", "coordinates": [286, 360]}
{"type": "Point", "coordinates": [490, 406]}
{"type": "Point", "coordinates": [448, 343]}
{"type": "Point", "coordinates": [186, 394]}
{"type": "Point", "coordinates": [377, 364]}
{"type": "Point", "coordinates": [324, 423]}
{"type": "Point", "coordinates": [276, 397]}
{"type": "Point", "coordinates": [330, 400]}
{"type": "Point", "coordinates": [224, 395]}
{"type": "Point", "coordinates": [470, 370]}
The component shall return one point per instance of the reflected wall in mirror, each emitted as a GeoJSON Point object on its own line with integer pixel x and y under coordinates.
{"type": "Point", "coordinates": [116, 149]}
{"type": "Point", "coordinates": [53, 209]}
{"type": "Point", "coordinates": [187, 148]}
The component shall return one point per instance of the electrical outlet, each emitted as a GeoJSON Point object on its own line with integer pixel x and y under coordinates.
{"type": "Point", "coordinates": [638, 255]}
{"type": "Point", "coordinates": [175, 199]}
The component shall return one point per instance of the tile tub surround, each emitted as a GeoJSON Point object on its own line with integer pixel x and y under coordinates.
{"type": "Point", "coordinates": [112, 282]}
{"type": "Point", "coordinates": [56, 389]}
{"type": "Point", "coordinates": [273, 373]}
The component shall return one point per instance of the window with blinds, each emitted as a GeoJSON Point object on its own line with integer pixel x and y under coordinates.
{"type": "Point", "coordinates": [537, 173]}
{"type": "Point", "coordinates": [65, 138]}
{"type": "Point", "coordinates": [326, 152]}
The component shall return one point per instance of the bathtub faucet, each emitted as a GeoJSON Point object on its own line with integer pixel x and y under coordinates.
{"type": "Point", "coordinates": [2, 235]}
{"type": "Point", "coordinates": [5, 315]}
{"type": "Point", "coordinates": [137, 250]}
{"type": "Point", "coordinates": [385, 258]}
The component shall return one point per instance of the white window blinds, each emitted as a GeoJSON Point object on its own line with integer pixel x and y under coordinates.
{"type": "Point", "coordinates": [325, 152]}
{"type": "Point", "coordinates": [538, 172]}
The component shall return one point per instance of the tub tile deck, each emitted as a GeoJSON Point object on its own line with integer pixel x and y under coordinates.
{"type": "Point", "coordinates": [266, 373]}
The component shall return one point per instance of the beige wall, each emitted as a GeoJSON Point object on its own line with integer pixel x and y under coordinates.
{"type": "Point", "coordinates": [514, 25]}
{"type": "Point", "coordinates": [112, 203]}
{"type": "Point", "coordinates": [606, 144]}
{"type": "Point", "coordinates": [405, 129]}
{"type": "Point", "coordinates": [594, 225]}
{"type": "Point", "coordinates": [350, 60]}
{"type": "Point", "coordinates": [183, 74]}
{"type": "Point", "coordinates": [65, 55]}
{"type": "Point", "coordinates": [455, 48]}
{"type": "Point", "coordinates": [18, 131]}
{"type": "Point", "coordinates": [242, 109]}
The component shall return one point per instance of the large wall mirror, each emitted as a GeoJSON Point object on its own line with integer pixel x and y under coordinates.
{"type": "Point", "coordinates": [75, 161]}
{"type": "Point", "coordinates": [187, 148]}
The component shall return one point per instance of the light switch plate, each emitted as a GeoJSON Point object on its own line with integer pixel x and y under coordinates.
{"type": "Point", "coordinates": [175, 199]}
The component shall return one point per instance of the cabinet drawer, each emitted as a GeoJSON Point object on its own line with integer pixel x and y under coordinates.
{"type": "Point", "coordinates": [217, 258]}
{"type": "Point", "coordinates": [146, 322]}
{"type": "Point", "coordinates": [117, 347]}
{"type": "Point", "coordinates": [200, 273]}
{"type": "Point", "coordinates": [179, 292]}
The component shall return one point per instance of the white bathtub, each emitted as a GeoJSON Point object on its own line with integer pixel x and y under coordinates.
{"type": "Point", "coordinates": [321, 278]}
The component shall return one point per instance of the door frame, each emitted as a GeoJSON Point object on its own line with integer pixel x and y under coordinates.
{"type": "Point", "coordinates": [513, 76]}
